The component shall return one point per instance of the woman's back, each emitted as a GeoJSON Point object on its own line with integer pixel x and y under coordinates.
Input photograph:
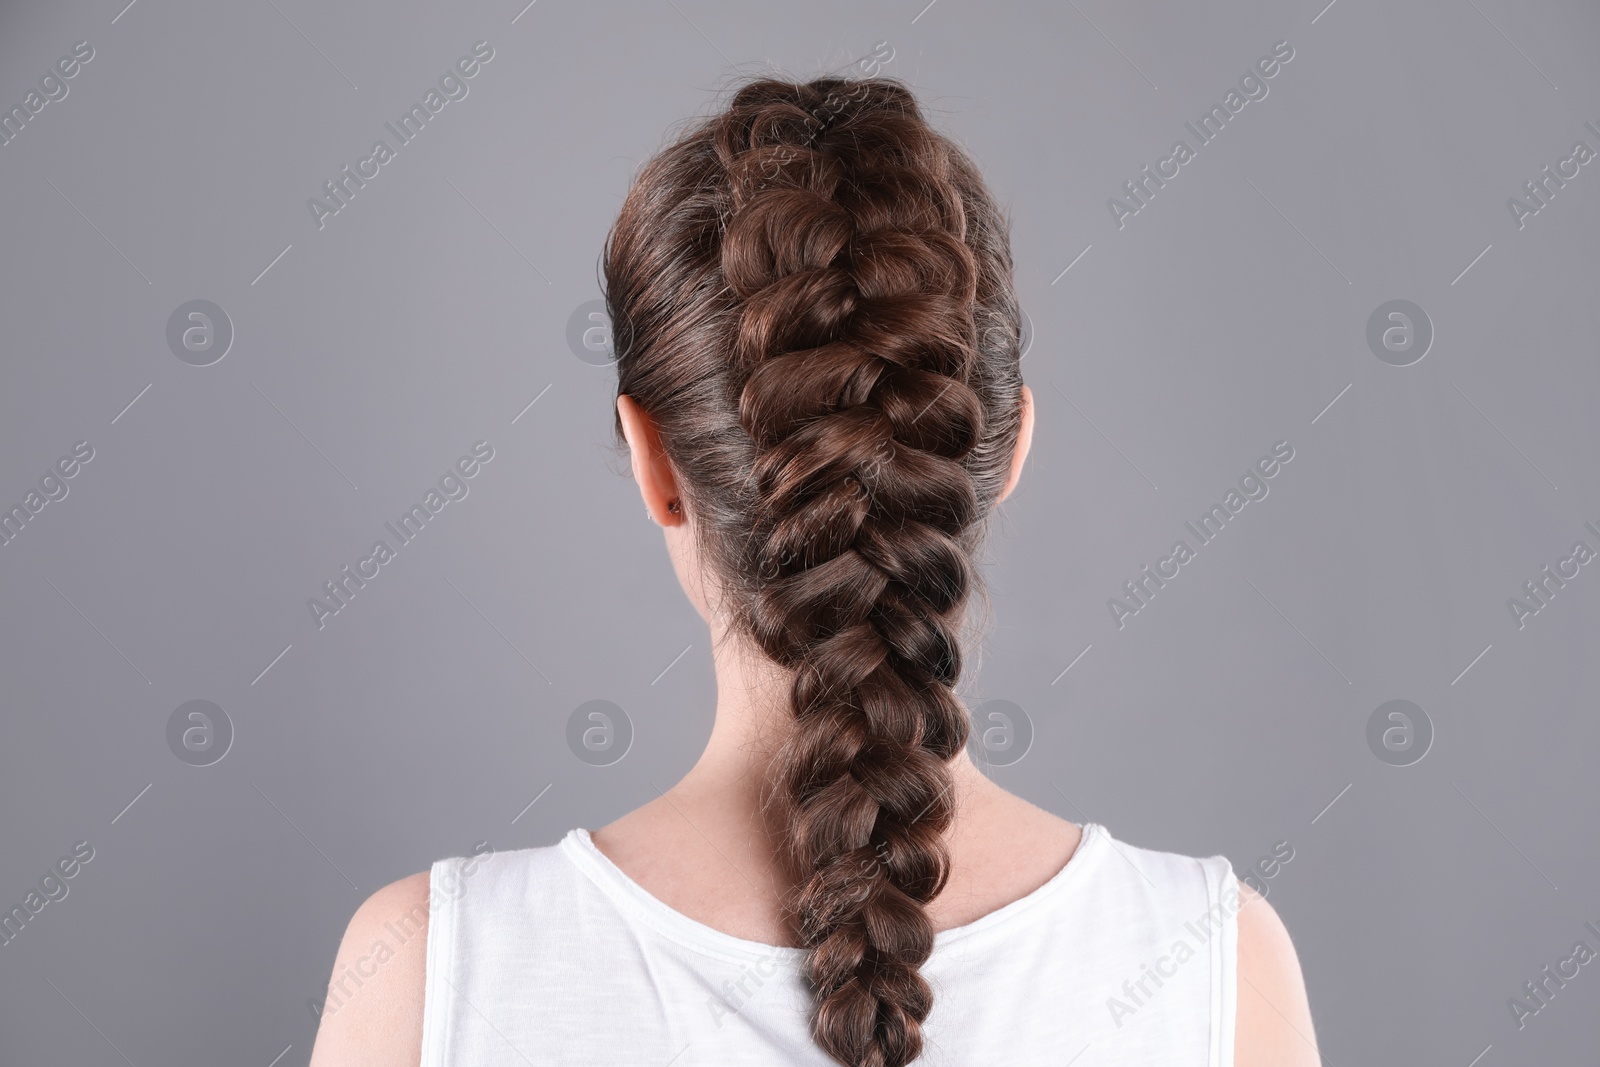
{"type": "Point", "coordinates": [1076, 949]}
{"type": "Point", "coordinates": [554, 955]}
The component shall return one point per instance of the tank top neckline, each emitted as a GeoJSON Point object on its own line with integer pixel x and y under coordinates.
{"type": "Point", "coordinates": [578, 847]}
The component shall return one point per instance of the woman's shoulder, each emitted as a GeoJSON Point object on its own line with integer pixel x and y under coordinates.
{"type": "Point", "coordinates": [1272, 1025]}
{"type": "Point", "coordinates": [374, 1009]}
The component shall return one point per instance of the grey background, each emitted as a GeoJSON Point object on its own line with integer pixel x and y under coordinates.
{"type": "Point", "coordinates": [1225, 717]}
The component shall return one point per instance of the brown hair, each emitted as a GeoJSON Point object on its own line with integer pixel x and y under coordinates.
{"type": "Point", "coordinates": [810, 293]}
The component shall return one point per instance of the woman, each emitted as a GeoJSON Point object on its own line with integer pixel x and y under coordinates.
{"type": "Point", "coordinates": [817, 355]}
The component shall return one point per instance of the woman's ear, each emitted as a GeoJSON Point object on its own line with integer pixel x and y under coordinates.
{"type": "Point", "coordinates": [652, 470]}
{"type": "Point", "coordinates": [1024, 442]}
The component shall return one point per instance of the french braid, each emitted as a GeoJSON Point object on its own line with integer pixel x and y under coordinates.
{"type": "Point", "coordinates": [811, 294]}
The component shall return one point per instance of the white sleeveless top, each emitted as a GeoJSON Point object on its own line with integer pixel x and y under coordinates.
{"type": "Point", "coordinates": [554, 956]}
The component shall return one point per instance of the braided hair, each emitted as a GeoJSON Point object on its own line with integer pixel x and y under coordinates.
{"type": "Point", "coordinates": [811, 295]}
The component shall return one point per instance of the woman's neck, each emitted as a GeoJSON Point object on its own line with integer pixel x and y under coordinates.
{"type": "Point", "coordinates": [709, 848]}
